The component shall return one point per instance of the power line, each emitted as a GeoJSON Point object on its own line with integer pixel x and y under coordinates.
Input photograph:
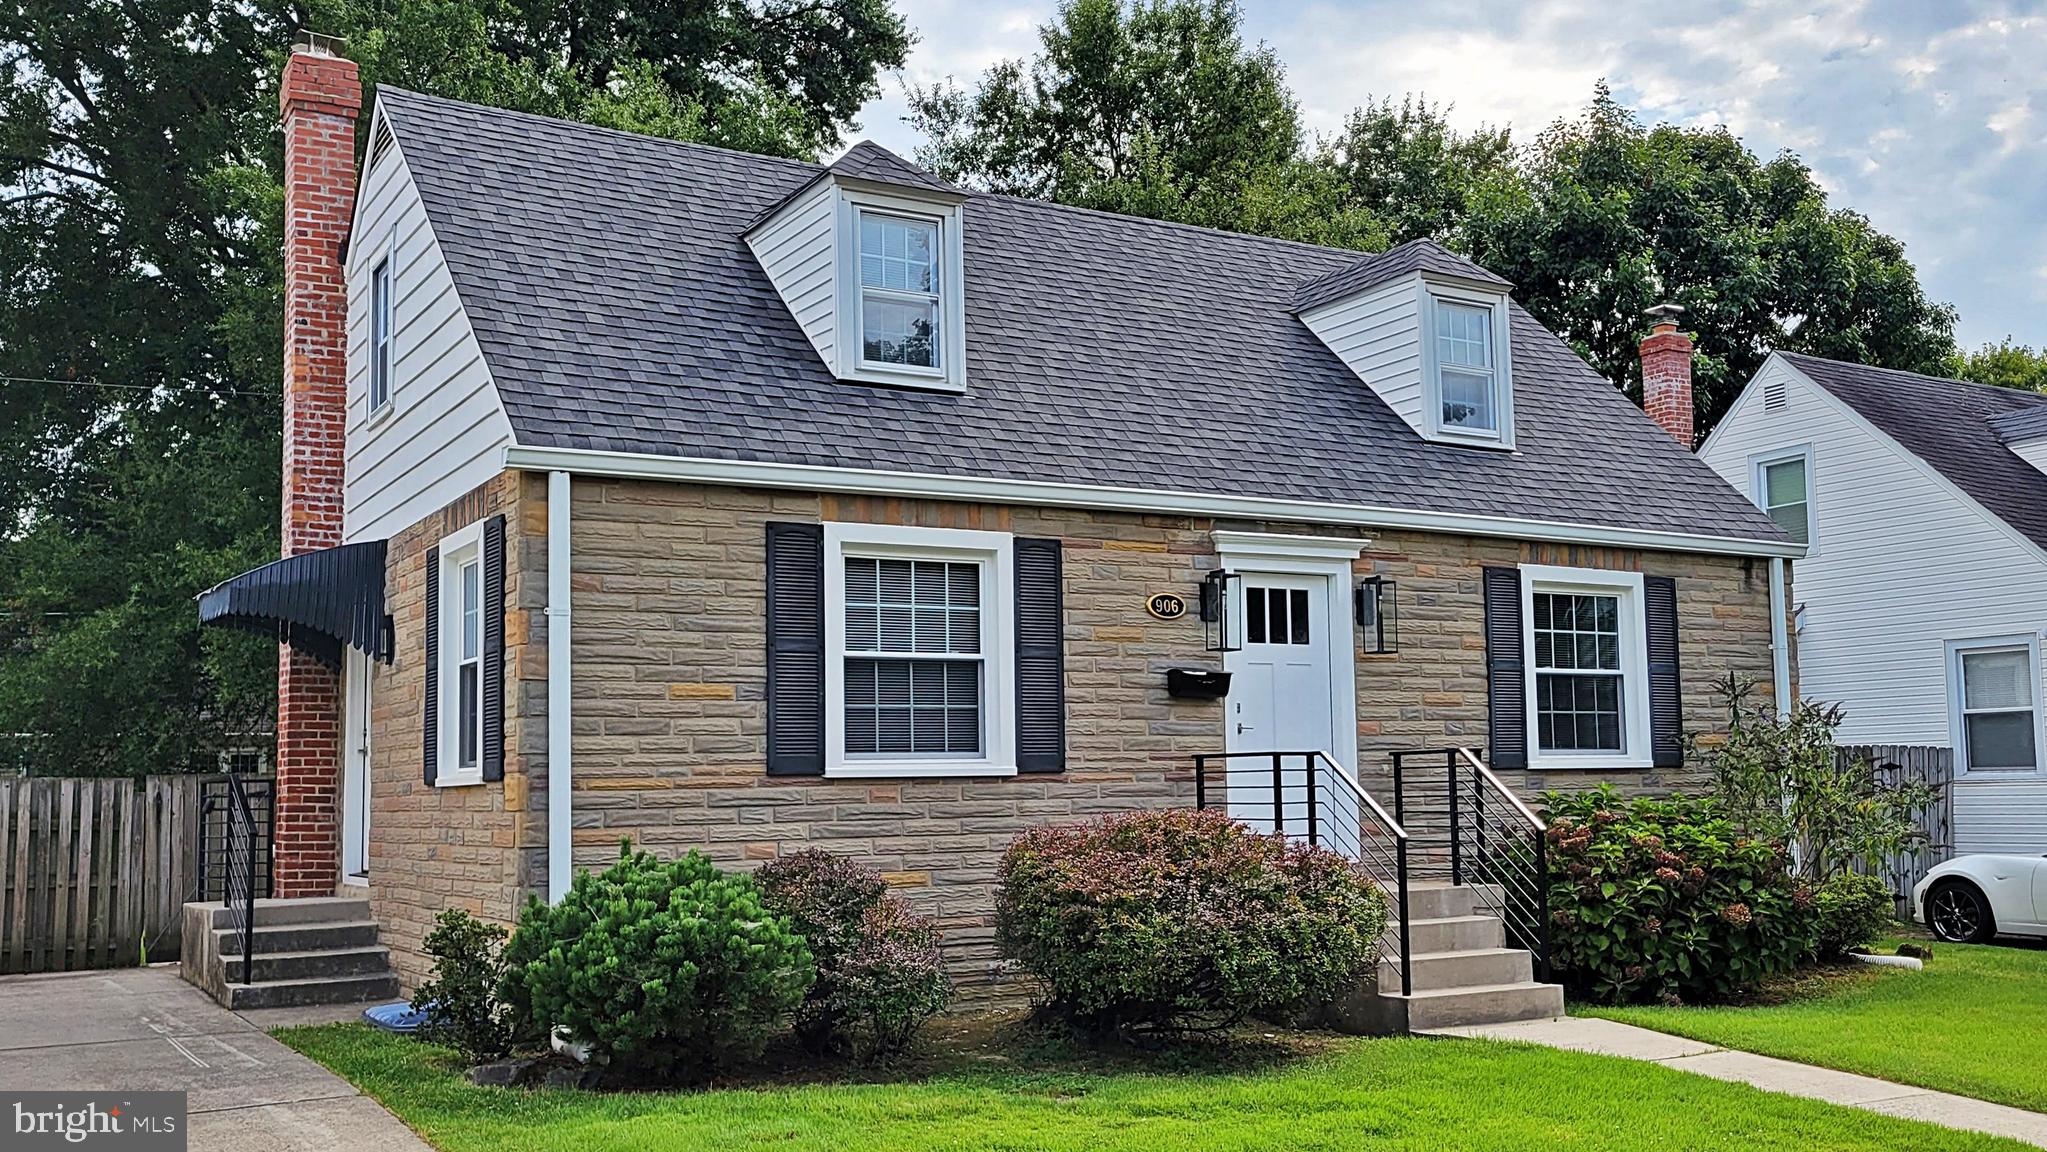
{"type": "Point", "coordinates": [124, 387]}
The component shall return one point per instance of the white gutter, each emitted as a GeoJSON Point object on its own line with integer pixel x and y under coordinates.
{"type": "Point", "coordinates": [872, 482]}
{"type": "Point", "coordinates": [1780, 639]}
{"type": "Point", "coordinates": [559, 768]}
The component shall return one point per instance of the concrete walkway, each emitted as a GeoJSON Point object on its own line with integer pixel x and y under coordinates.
{"type": "Point", "coordinates": [144, 1029]}
{"type": "Point", "coordinates": [1610, 1038]}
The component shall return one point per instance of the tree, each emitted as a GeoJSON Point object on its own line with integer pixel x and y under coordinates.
{"type": "Point", "coordinates": [1608, 218]}
{"type": "Point", "coordinates": [1411, 170]}
{"type": "Point", "coordinates": [1158, 110]}
{"type": "Point", "coordinates": [2005, 364]}
{"type": "Point", "coordinates": [139, 316]}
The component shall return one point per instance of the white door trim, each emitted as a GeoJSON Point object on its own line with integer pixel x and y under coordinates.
{"type": "Point", "coordinates": [1278, 553]}
{"type": "Point", "coordinates": [355, 767]}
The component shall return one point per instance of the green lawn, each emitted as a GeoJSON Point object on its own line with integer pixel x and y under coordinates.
{"type": "Point", "coordinates": [1355, 1094]}
{"type": "Point", "coordinates": [1974, 1022]}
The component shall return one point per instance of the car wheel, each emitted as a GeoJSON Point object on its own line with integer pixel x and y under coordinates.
{"type": "Point", "coordinates": [1957, 912]}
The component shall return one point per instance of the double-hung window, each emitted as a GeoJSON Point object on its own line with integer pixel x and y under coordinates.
{"type": "Point", "coordinates": [1586, 661]}
{"type": "Point", "coordinates": [1996, 704]}
{"type": "Point", "coordinates": [919, 651]}
{"type": "Point", "coordinates": [1467, 393]}
{"type": "Point", "coordinates": [1784, 491]}
{"type": "Point", "coordinates": [461, 655]}
{"type": "Point", "coordinates": [901, 317]}
{"type": "Point", "coordinates": [380, 336]}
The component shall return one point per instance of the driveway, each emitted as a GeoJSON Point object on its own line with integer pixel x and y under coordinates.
{"type": "Point", "coordinates": [144, 1029]}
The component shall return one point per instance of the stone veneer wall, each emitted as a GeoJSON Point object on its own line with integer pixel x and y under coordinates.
{"type": "Point", "coordinates": [669, 716]}
{"type": "Point", "coordinates": [476, 847]}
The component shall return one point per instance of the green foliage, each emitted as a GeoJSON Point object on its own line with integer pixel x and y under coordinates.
{"type": "Point", "coordinates": [1177, 919]}
{"type": "Point", "coordinates": [1785, 780]}
{"type": "Point", "coordinates": [2005, 364]}
{"type": "Point", "coordinates": [1667, 899]}
{"type": "Point", "coordinates": [879, 973]}
{"type": "Point", "coordinates": [1853, 911]}
{"type": "Point", "coordinates": [460, 998]}
{"type": "Point", "coordinates": [141, 302]}
{"type": "Point", "coordinates": [668, 969]}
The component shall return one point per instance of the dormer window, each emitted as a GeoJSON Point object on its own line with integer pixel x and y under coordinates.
{"type": "Point", "coordinates": [901, 314]}
{"type": "Point", "coordinates": [1465, 369]}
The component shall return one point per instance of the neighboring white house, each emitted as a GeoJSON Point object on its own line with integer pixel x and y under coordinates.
{"type": "Point", "coordinates": [1922, 605]}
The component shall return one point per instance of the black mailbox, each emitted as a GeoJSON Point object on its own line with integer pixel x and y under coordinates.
{"type": "Point", "coordinates": [1197, 683]}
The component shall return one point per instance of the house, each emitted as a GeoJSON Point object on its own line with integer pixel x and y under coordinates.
{"type": "Point", "coordinates": [1923, 596]}
{"type": "Point", "coordinates": [655, 491]}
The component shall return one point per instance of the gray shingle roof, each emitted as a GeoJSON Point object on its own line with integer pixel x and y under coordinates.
{"type": "Point", "coordinates": [2019, 426]}
{"type": "Point", "coordinates": [1395, 262]}
{"type": "Point", "coordinates": [870, 161]}
{"type": "Point", "coordinates": [1953, 426]}
{"type": "Point", "coordinates": [619, 309]}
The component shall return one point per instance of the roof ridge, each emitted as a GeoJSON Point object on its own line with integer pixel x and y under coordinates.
{"type": "Point", "coordinates": [2024, 395]}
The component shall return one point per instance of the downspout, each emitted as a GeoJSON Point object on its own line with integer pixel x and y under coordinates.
{"type": "Point", "coordinates": [559, 768]}
{"type": "Point", "coordinates": [1780, 639]}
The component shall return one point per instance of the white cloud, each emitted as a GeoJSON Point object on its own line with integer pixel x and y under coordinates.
{"type": "Point", "coordinates": [1926, 117]}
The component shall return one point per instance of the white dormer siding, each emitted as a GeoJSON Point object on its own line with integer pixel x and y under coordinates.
{"type": "Point", "coordinates": [2033, 452]}
{"type": "Point", "coordinates": [1391, 337]}
{"type": "Point", "coordinates": [813, 250]}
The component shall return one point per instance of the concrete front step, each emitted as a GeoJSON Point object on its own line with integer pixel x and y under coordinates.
{"type": "Point", "coordinates": [1462, 969]}
{"type": "Point", "coordinates": [272, 966]}
{"type": "Point", "coordinates": [1447, 934]}
{"type": "Point", "coordinates": [315, 990]}
{"type": "Point", "coordinates": [1477, 1004]}
{"type": "Point", "coordinates": [299, 937]}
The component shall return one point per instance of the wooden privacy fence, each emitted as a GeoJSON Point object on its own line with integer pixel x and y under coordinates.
{"type": "Point", "coordinates": [92, 870]}
{"type": "Point", "coordinates": [1929, 765]}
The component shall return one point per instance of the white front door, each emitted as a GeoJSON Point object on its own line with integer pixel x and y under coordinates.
{"type": "Point", "coordinates": [1282, 698]}
{"type": "Point", "coordinates": [355, 771]}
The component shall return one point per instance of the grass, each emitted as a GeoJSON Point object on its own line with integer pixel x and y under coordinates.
{"type": "Point", "coordinates": [1974, 1023]}
{"type": "Point", "coordinates": [1318, 1093]}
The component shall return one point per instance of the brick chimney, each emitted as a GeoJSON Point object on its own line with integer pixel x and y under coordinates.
{"type": "Point", "coordinates": [1667, 374]}
{"type": "Point", "coordinates": [320, 98]}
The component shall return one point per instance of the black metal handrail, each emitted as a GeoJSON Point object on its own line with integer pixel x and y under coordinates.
{"type": "Point", "coordinates": [1333, 813]}
{"type": "Point", "coordinates": [1497, 844]}
{"type": "Point", "coordinates": [239, 883]}
{"type": "Point", "coordinates": [214, 804]}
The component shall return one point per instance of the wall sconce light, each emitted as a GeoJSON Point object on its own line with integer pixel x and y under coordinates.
{"type": "Point", "coordinates": [1221, 632]}
{"type": "Point", "coordinates": [1379, 615]}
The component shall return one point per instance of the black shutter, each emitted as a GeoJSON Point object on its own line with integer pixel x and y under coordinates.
{"type": "Point", "coordinates": [1506, 670]}
{"type": "Point", "coordinates": [795, 649]}
{"type": "Point", "coordinates": [1666, 704]}
{"type": "Point", "coordinates": [1040, 658]}
{"type": "Point", "coordinates": [431, 724]}
{"type": "Point", "coordinates": [493, 654]}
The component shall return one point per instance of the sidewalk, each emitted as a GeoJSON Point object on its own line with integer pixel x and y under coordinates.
{"type": "Point", "coordinates": [143, 1029]}
{"type": "Point", "coordinates": [1610, 1038]}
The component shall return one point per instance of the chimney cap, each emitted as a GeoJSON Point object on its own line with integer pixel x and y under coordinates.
{"type": "Point", "coordinates": [1665, 313]}
{"type": "Point", "coordinates": [320, 44]}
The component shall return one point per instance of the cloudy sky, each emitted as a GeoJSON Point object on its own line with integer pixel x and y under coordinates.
{"type": "Point", "coordinates": [1929, 116]}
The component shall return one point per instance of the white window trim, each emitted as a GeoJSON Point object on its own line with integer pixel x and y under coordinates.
{"type": "Point", "coordinates": [457, 549]}
{"type": "Point", "coordinates": [1636, 752]}
{"type": "Point", "coordinates": [950, 375]}
{"type": "Point", "coordinates": [1758, 463]}
{"type": "Point", "coordinates": [995, 553]}
{"type": "Point", "coordinates": [385, 265]}
{"type": "Point", "coordinates": [1958, 734]}
{"type": "Point", "coordinates": [1500, 326]}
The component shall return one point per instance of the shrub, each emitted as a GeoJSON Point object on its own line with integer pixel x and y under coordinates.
{"type": "Point", "coordinates": [668, 969]}
{"type": "Point", "coordinates": [1667, 899]}
{"type": "Point", "coordinates": [1853, 911]}
{"type": "Point", "coordinates": [1181, 919]}
{"type": "Point", "coordinates": [879, 975]}
{"type": "Point", "coordinates": [460, 999]}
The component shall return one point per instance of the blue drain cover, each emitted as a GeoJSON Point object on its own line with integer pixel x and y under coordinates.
{"type": "Point", "coordinates": [399, 1017]}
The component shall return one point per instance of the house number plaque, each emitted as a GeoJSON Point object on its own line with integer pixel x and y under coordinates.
{"type": "Point", "coordinates": [1166, 605]}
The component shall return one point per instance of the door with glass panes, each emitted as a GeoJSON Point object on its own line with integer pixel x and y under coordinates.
{"type": "Point", "coordinates": [1282, 700]}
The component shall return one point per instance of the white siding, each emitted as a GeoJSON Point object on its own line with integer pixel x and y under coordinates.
{"type": "Point", "coordinates": [1379, 335]}
{"type": "Point", "coordinates": [1902, 563]}
{"type": "Point", "coordinates": [445, 431]}
{"type": "Point", "coordinates": [796, 249]}
{"type": "Point", "coordinates": [2033, 452]}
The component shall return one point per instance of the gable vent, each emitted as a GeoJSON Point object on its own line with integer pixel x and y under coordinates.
{"type": "Point", "coordinates": [380, 143]}
{"type": "Point", "coordinates": [1775, 394]}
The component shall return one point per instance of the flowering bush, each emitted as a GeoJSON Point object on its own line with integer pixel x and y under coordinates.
{"type": "Point", "coordinates": [667, 968]}
{"type": "Point", "coordinates": [879, 974]}
{"type": "Point", "coordinates": [1177, 919]}
{"type": "Point", "coordinates": [1666, 899]}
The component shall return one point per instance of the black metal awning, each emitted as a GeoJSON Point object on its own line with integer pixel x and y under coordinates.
{"type": "Point", "coordinates": [317, 602]}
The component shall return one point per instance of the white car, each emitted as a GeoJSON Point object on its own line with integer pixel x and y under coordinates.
{"type": "Point", "coordinates": [1971, 899]}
